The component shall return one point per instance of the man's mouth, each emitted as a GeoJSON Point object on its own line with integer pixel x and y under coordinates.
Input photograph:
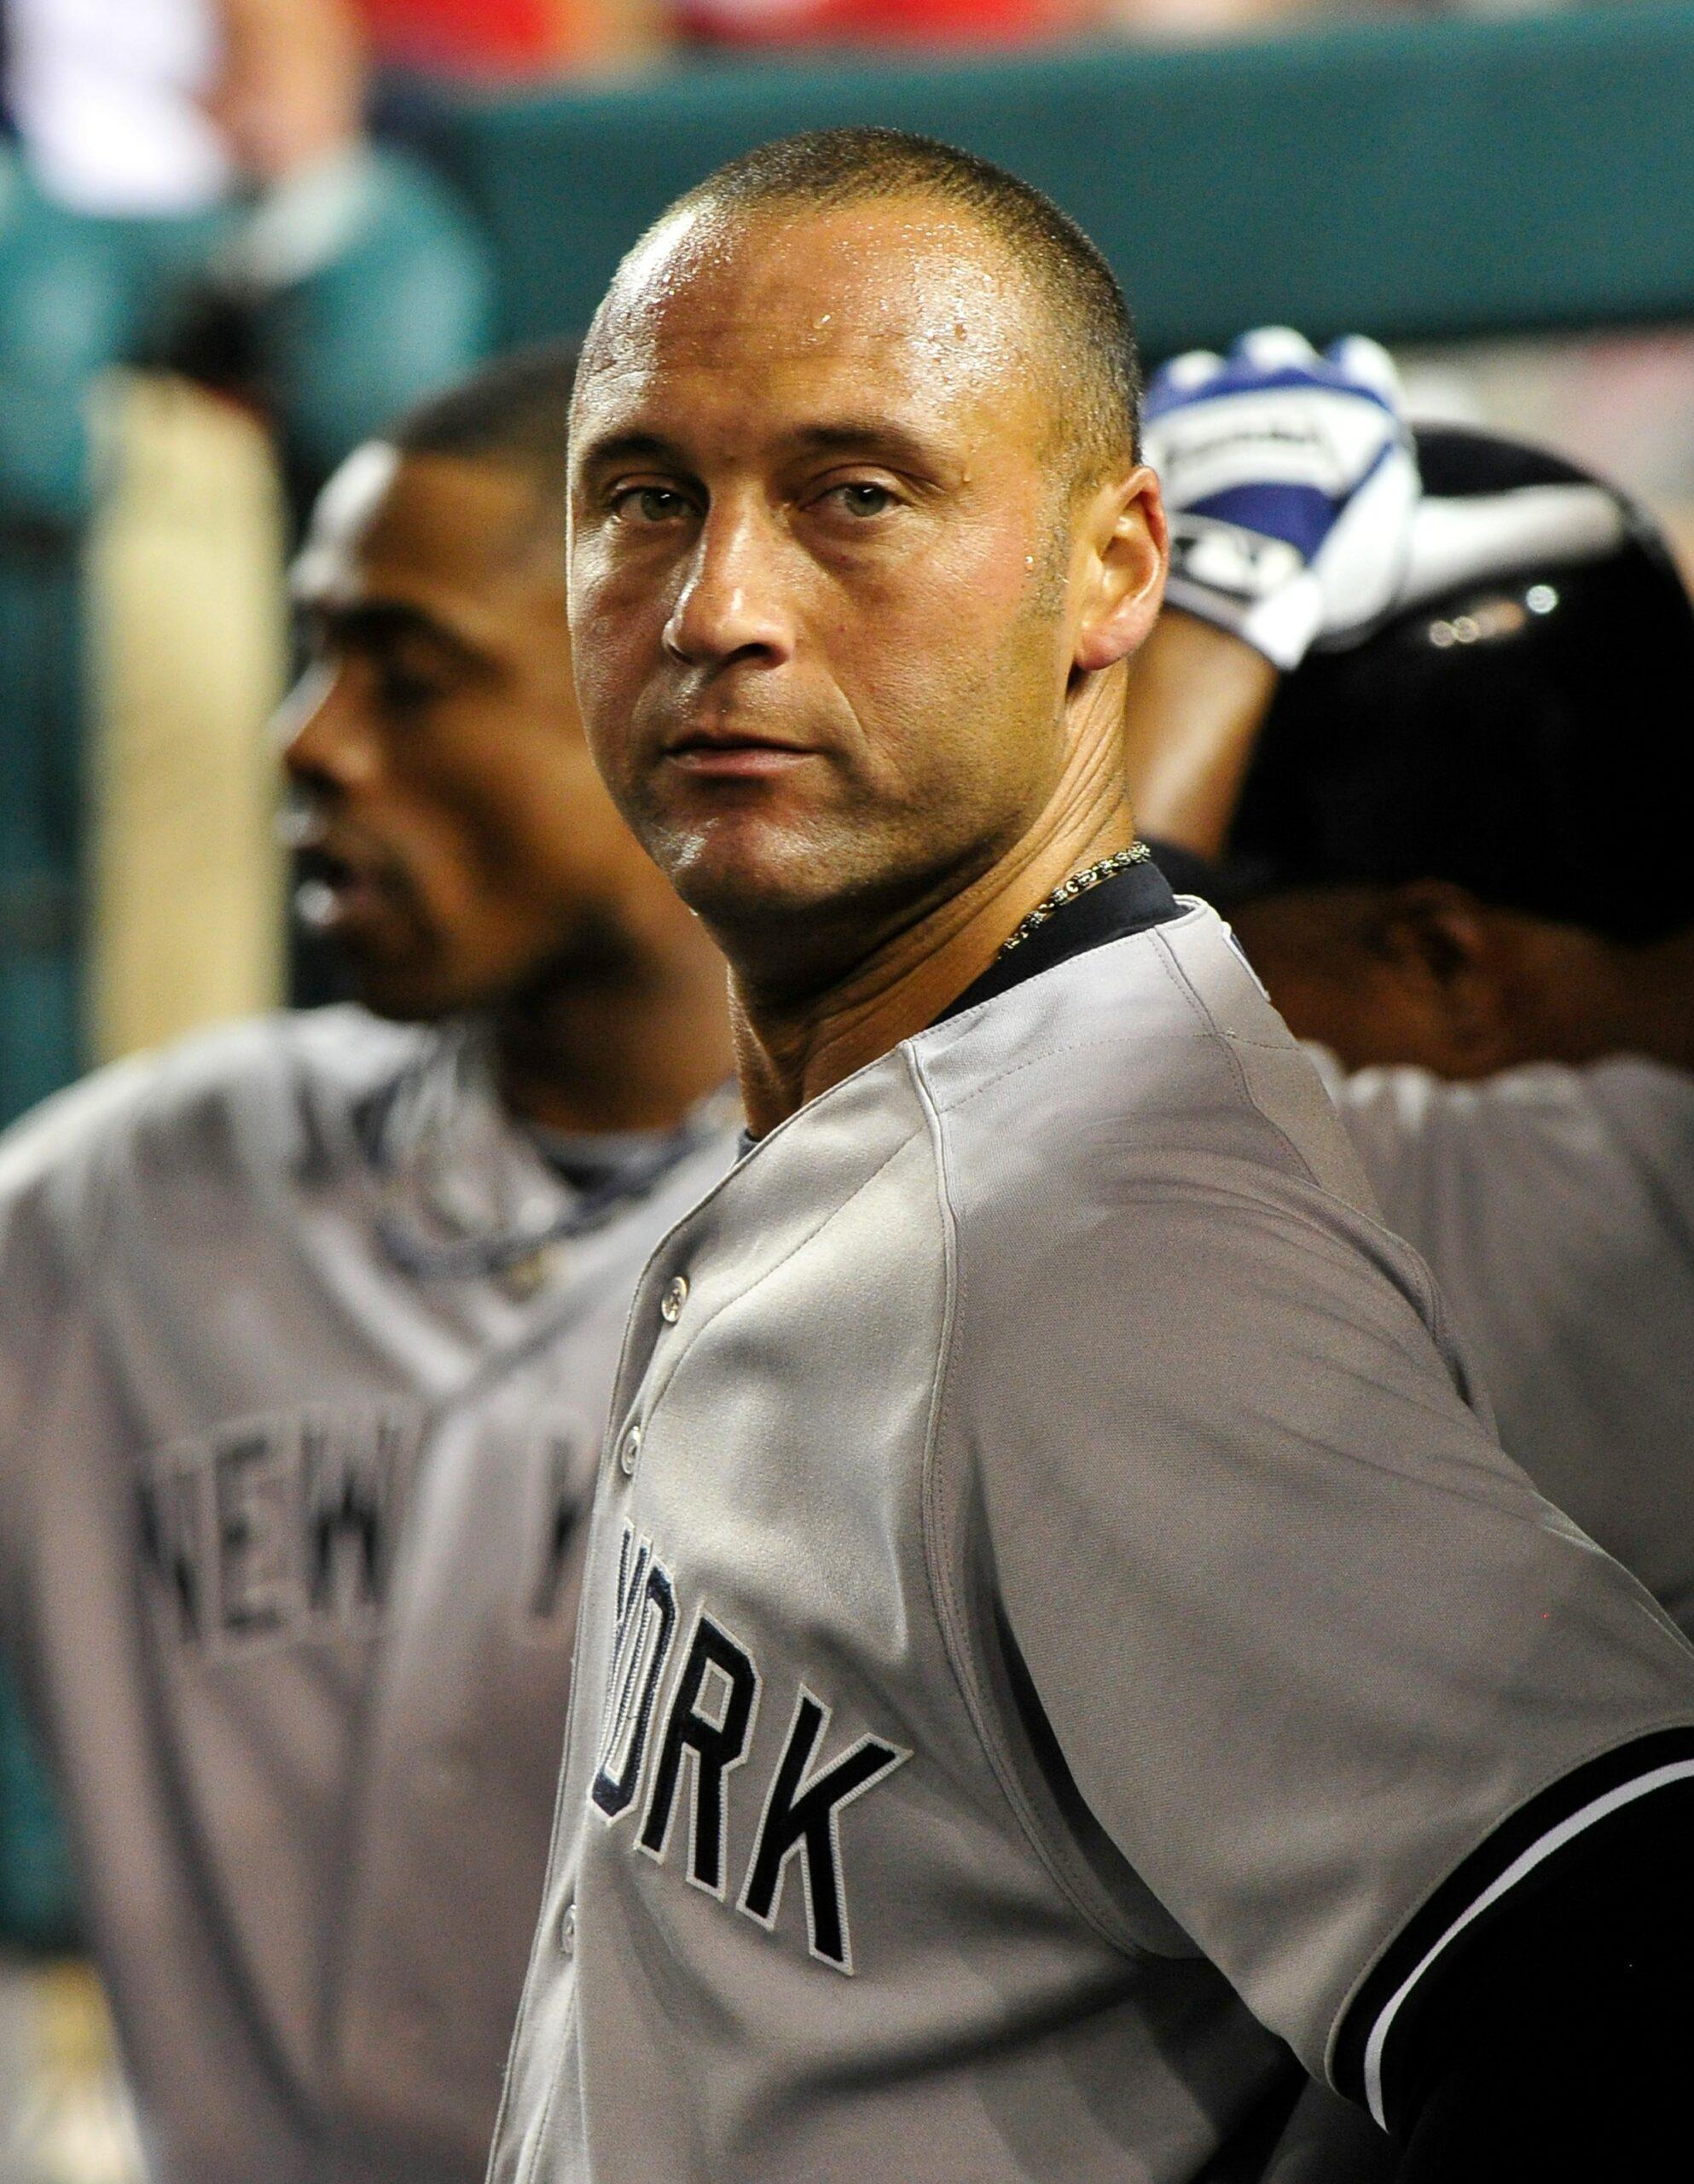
{"type": "Point", "coordinates": [336, 891]}
{"type": "Point", "coordinates": [733, 754]}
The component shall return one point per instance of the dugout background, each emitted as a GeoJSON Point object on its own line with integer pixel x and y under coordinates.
{"type": "Point", "coordinates": [1424, 182]}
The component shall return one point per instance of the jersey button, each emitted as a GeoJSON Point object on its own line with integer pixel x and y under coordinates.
{"type": "Point", "coordinates": [630, 1451]}
{"type": "Point", "coordinates": [675, 1297]}
{"type": "Point", "coordinates": [567, 1928]}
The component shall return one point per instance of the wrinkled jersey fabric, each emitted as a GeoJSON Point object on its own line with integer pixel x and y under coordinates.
{"type": "Point", "coordinates": [1555, 1207]}
{"type": "Point", "coordinates": [1054, 1627]}
{"type": "Point", "coordinates": [290, 1540]}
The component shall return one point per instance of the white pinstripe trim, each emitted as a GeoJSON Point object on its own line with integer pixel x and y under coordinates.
{"type": "Point", "coordinates": [1625, 1793]}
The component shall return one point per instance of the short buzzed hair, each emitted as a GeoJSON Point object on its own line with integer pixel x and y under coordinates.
{"type": "Point", "coordinates": [515, 411]}
{"type": "Point", "coordinates": [1094, 330]}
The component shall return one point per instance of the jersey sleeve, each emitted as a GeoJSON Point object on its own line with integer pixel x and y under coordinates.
{"type": "Point", "coordinates": [56, 1168]}
{"type": "Point", "coordinates": [1330, 1675]}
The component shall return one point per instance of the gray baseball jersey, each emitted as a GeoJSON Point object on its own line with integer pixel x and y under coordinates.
{"type": "Point", "coordinates": [288, 1554]}
{"type": "Point", "coordinates": [1052, 1625]}
{"type": "Point", "coordinates": [1555, 1207]}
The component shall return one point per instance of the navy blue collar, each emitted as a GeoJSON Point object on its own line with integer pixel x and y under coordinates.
{"type": "Point", "coordinates": [1129, 902]}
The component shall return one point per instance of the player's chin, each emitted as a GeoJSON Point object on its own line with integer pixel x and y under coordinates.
{"type": "Point", "coordinates": [410, 984]}
{"type": "Point", "coordinates": [403, 999]}
{"type": "Point", "coordinates": [742, 867]}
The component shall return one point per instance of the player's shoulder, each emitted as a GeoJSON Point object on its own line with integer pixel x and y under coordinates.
{"type": "Point", "coordinates": [1596, 1119]}
{"type": "Point", "coordinates": [1648, 1107]}
{"type": "Point", "coordinates": [239, 1090]}
{"type": "Point", "coordinates": [1139, 1133]}
{"type": "Point", "coordinates": [1130, 1065]}
{"type": "Point", "coordinates": [1631, 1100]}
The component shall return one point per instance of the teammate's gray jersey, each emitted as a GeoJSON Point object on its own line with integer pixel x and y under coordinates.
{"type": "Point", "coordinates": [290, 1543]}
{"type": "Point", "coordinates": [1051, 1621]}
{"type": "Point", "coordinates": [1555, 1206]}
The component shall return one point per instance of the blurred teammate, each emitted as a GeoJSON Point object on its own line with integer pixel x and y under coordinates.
{"type": "Point", "coordinates": [1054, 1629]}
{"type": "Point", "coordinates": [307, 1340]}
{"type": "Point", "coordinates": [1456, 853]}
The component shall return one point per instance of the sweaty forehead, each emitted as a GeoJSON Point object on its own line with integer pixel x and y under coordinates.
{"type": "Point", "coordinates": [903, 295]}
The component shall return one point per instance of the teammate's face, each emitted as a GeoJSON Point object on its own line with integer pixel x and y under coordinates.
{"type": "Point", "coordinates": [459, 842]}
{"type": "Point", "coordinates": [1423, 974]}
{"type": "Point", "coordinates": [828, 587]}
{"type": "Point", "coordinates": [1315, 951]}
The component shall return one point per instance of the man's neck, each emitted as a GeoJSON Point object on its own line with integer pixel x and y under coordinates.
{"type": "Point", "coordinates": [1653, 990]}
{"type": "Point", "coordinates": [632, 1049]}
{"type": "Point", "coordinates": [787, 1053]}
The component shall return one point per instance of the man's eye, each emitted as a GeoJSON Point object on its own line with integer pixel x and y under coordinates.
{"type": "Point", "coordinates": [404, 690]}
{"type": "Point", "coordinates": [862, 498]}
{"type": "Point", "coordinates": [649, 504]}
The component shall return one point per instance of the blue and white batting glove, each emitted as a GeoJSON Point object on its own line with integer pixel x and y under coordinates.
{"type": "Point", "coordinates": [1290, 483]}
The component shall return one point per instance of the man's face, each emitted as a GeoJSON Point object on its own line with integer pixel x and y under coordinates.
{"type": "Point", "coordinates": [1312, 949]}
{"type": "Point", "coordinates": [821, 556]}
{"type": "Point", "coordinates": [1387, 975]}
{"type": "Point", "coordinates": [459, 842]}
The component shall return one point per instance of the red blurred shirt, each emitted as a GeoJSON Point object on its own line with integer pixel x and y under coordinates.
{"type": "Point", "coordinates": [528, 37]}
{"type": "Point", "coordinates": [472, 37]}
{"type": "Point", "coordinates": [880, 22]}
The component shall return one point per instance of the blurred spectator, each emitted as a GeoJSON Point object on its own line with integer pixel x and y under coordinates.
{"type": "Point", "coordinates": [883, 22]}
{"type": "Point", "coordinates": [178, 165]}
{"type": "Point", "coordinates": [974, 23]}
{"type": "Point", "coordinates": [174, 150]}
{"type": "Point", "coordinates": [509, 41]}
{"type": "Point", "coordinates": [1195, 21]}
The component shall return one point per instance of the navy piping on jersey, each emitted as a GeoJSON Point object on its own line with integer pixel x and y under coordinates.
{"type": "Point", "coordinates": [1388, 2023]}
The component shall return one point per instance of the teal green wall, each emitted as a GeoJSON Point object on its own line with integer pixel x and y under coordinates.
{"type": "Point", "coordinates": [40, 800]}
{"type": "Point", "coordinates": [38, 1894]}
{"type": "Point", "coordinates": [1434, 179]}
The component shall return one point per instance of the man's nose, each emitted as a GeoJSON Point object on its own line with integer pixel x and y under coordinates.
{"type": "Point", "coordinates": [734, 601]}
{"type": "Point", "coordinates": [326, 744]}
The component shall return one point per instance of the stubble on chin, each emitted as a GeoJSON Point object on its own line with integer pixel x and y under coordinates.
{"type": "Point", "coordinates": [734, 876]}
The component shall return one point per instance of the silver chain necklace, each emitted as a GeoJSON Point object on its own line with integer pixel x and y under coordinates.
{"type": "Point", "coordinates": [1078, 884]}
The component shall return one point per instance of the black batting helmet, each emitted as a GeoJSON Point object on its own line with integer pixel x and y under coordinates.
{"type": "Point", "coordinates": [1524, 731]}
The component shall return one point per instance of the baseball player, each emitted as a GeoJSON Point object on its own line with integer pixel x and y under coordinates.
{"type": "Point", "coordinates": [1409, 829]}
{"type": "Point", "coordinates": [1055, 1628]}
{"type": "Point", "coordinates": [1408, 809]}
{"type": "Point", "coordinates": [309, 1331]}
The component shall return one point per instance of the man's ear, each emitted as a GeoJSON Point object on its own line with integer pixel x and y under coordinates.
{"type": "Point", "coordinates": [1126, 540]}
{"type": "Point", "coordinates": [1447, 946]}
